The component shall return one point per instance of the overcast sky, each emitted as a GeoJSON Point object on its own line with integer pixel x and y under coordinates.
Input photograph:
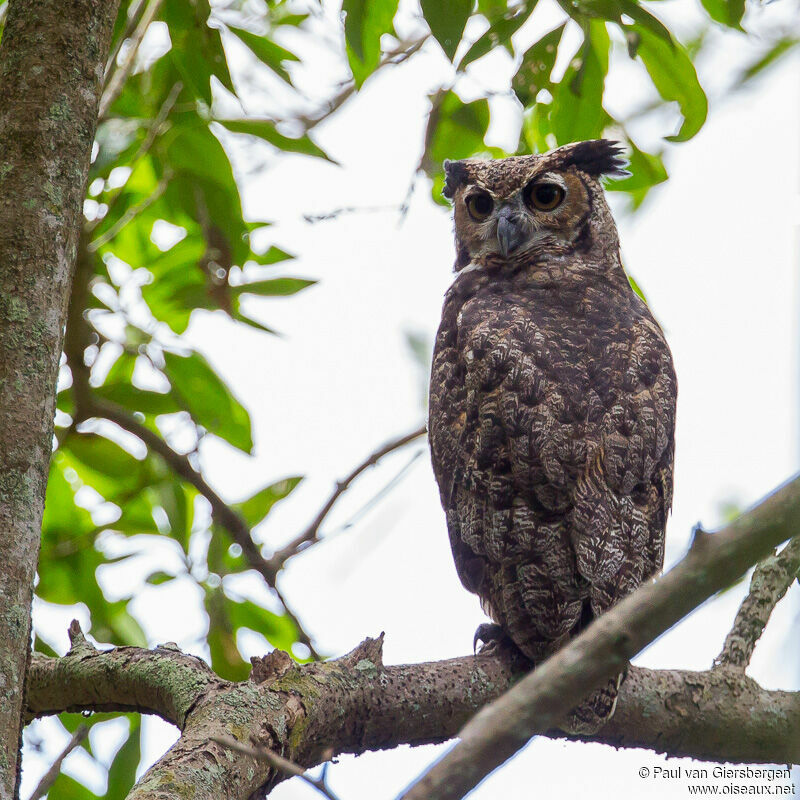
{"type": "Point", "coordinates": [715, 251]}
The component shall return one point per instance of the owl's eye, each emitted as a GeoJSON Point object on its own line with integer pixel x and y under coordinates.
{"type": "Point", "coordinates": [545, 196]}
{"type": "Point", "coordinates": [480, 205]}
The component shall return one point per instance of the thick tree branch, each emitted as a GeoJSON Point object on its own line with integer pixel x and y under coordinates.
{"type": "Point", "coordinates": [164, 681]}
{"type": "Point", "coordinates": [52, 58]}
{"type": "Point", "coordinates": [310, 713]}
{"type": "Point", "coordinates": [771, 578]}
{"type": "Point", "coordinates": [545, 696]}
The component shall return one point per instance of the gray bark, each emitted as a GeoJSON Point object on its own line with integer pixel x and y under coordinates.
{"type": "Point", "coordinates": [52, 58]}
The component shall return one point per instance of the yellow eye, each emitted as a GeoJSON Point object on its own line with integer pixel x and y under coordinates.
{"type": "Point", "coordinates": [545, 196]}
{"type": "Point", "coordinates": [480, 205]}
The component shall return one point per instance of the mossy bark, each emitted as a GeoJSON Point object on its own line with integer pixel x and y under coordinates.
{"type": "Point", "coordinates": [313, 712]}
{"type": "Point", "coordinates": [52, 60]}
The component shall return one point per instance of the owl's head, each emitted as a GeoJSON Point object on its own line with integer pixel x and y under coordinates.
{"type": "Point", "coordinates": [534, 208]}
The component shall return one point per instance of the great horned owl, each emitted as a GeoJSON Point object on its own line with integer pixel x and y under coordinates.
{"type": "Point", "coordinates": [552, 403]}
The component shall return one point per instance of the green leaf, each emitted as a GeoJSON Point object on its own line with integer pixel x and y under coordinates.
{"type": "Point", "coordinates": [272, 256]}
{"type": "Point", "coordinates": [447, 19]}
{"type": "Point", "coordinates": [726, 12]}
{"type": "Point", "coordinates": [277, 629]}
{"type": "Point", "coordinates": [122, 772]}
{"type": "Point", "coordinates": [239, 316]}
{"type": "Point", "coordinates": [194, 70]}
{"type": "Point", "coordinates": [272, 288]}
{"type": "Point", "coordinates": [645, 19]}
{"type": "Point", "coordinates": [646, 170]}
{"type": "Point", "coordinates": [364, 23]}
{"type": "Point", "coordinates": [61, 516]}
{"type": "Point", "coordinates": [159, 577]}
{"type": "Point", "coordinates": [205, 396]}
{"type": "Point", "coordinates": [135, 399]}
{"type": "Point", "coordinates": [675, 78]}
{"type": "Point", "coordinates": [256, 508]}
{"type": "Point", "coordinates": [499, 32]}
{"type": "Point", "coordinates": [578, 99]}
{"type": "Point", "coordinates": [66, 788]}
{"type": "Point", "coordinates": [194, 149]}
{"type": "Point", "coordinates": [103, 464]}
{"type": "Point", "coordinates": [267, 51]}
{"type": "Point", "coordinates": [226, 660]}
{"type": "Point", "coordinates": [538, 60]}
{"type": "Point", "coordinates": [636, 288]}
{"type": "Point", "coordinates": [455, 129]}
{"type": "Point", "coordinates": [774, 53]}
{"type": "Point", "coordinates": [177, 501]}
{"type": "Point", "coordinates": [265, 129]}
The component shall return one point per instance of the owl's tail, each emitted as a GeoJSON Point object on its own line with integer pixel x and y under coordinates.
{"type": "Point", "coordinates": [588, 717]}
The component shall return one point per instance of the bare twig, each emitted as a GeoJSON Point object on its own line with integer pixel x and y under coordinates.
{"type": "Point", "coordinates": [771, 578]}
{"type": "Point", "coordinates": [277, 762]}
{"type": "Point", "coordinates": [398, 55]}
{"type": "Point", "coordinates": [49, 778]}
{"type": "Point", "coordinates": [116, 77]}
{"type": "Point", "coordinates": [544, 697]}
{"type": "Point", "coordinates": [311, 533]}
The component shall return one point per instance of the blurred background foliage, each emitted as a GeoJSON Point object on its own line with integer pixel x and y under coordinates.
{"type": "Point", "coordinates": [165, 235]}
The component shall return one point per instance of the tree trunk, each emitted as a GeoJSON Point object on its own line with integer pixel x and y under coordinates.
{"type": "Point", "coordinates": [52, 61]}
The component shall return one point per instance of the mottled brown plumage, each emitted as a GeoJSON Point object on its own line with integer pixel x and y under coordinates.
{"type": "Point", "coordinates": [552, 403]}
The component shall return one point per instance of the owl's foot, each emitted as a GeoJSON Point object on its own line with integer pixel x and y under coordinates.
{"type": "Point", "coordinates": [492, 637]}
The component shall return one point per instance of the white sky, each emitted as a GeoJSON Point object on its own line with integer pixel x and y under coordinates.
{"type": "Point", "coordinates": [716, 252]}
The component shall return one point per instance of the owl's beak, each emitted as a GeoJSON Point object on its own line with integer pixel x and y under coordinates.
{"type": "Point", "coordinates": [510, 231]}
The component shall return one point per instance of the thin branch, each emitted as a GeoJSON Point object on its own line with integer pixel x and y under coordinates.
{"type": "Point", "coordinates": [277, 762]}
{"type": "Point", "coordinates": [377, 497]}
{"type": "Point", "coordinates": [131, 214]}
{"type": "Point", "coordinates": [771, 578]}
{"type": "Point", "coordinates": [544, 697]}
{"type": "Point", "coordinates": [135, 11]}
{"type": "Point", "coordinates": [311, 534]}
{"type": "Point", "coordinates": [49, 778]}
{"type": "Point", "coordinates": [115, 79]}
{"type": "Point", "coordinates": [221, 512]}
{"type": "Point", "coordinates": [153, 131]}
{"type": "Point", "coordinates": [398, 55]}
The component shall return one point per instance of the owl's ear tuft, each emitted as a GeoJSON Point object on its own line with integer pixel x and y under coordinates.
{"type": "Point", "coordinates": [455, 173]}
{"type": "Point", "coordinates": [597, 157]}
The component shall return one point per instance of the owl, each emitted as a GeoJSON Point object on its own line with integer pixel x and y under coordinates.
{"type": "Point", "coordinates": [552, 403]}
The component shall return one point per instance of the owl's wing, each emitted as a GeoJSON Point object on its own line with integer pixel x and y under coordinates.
{"type": "Point", "coordinates": [621, 502]}
{"type": "Point", "coordinates": [505, 459]}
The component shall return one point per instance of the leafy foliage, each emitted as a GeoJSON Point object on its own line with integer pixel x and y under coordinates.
{"type": "Point", "coordinates": [165, 236]}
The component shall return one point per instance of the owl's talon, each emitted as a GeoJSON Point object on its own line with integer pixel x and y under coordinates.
{"type": "Point", "coordinates": [491, 635]}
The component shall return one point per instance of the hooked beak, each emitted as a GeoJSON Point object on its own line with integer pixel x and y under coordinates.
{"type": "Point", "coordinates": [510, 231]}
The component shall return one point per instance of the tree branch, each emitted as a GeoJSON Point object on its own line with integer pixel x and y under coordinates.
{"type": "Point", "coordinates": [288, 768]}
{"type": "Point", "coordinates": [771, 578]}
{"type": "Point", "coordinates": [164, 681]}
{"type": "Point", "coordinates": [49, 778]}
{"type": "Point", "coordinates": [311, 713]}
{"type": "Point", "coordinates": [118, 74]}
{"type": "Point", "coordinates": [311, 534]}
{"type": "Point", "coordinates": [221, 512]}
{"type": "Point", "coordinates": [545, 696]}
